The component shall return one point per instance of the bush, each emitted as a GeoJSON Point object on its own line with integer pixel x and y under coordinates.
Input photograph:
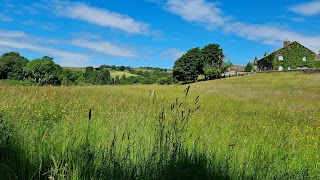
{"type": "Point", "coordinates": [212, 73]}
{"type": "Point", "coordinates": [249, 67]}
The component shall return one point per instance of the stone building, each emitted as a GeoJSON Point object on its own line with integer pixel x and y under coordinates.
{"type": "Point", "coordinates": [292, 55]}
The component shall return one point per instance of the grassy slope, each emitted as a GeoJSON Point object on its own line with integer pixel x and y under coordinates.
{"type": "Point", "coordinates": [120, 74]}
{"type": "Point", "coordinates": [112, 73]}
{"type": "Point", "coordinates": [259, 126]}
{"type": "Point", "coordinates": [75, 69]}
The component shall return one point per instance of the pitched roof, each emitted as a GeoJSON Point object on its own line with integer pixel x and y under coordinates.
{"type": "Point", "coordinates": [294, 42]}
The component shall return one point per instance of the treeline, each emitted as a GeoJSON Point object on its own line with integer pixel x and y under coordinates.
{"type": "Point", "coordinates": [207, 62]}
{"type": "Point", "coordinates": [44, 71]}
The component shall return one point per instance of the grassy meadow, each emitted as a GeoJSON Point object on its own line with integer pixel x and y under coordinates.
{"type": "Point", "coordinates": [262, 126]}
{"type": "Point", "coordinates": [121, 73]}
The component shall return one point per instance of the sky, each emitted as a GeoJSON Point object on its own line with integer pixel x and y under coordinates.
{"type": "Point", "coordinates": [153, 33]}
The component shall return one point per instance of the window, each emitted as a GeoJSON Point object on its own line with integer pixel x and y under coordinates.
{"type": "Point", "coordinates": [280, 68]}
{"type": "Point", "coordinates": [280, 57]}
{"type": "Point", "coordinates": [304, 58]}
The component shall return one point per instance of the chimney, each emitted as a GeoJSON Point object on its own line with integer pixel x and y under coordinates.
{"type": "Point", "coordinates": [286, 43]}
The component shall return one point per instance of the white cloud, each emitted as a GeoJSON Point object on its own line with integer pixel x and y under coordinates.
{"type": "Point", "coordinates": [172, 54]}
{"type": "Point", "coordinates": [19, 40]}
{"type": "Point", "coordinates": [99, 16]}
{"type": "Point", "coordinates": [211, 17]}
{"type": "Point", "coordinates": [13, 40]}
{"type": "Point", "coordinates": [297, 19]}
{"type": "Point", "coordinates": [105, 47]}
{"type": "Point", "coordinates": [198, 11]}
{"type": "Point", "coordinates": [308, 9]}
{"type": "Point", "coordinates": [270, 34]}
{"type": "Point", "coordinates": [12, 34]}
{"type": "Point", "coordinates": [5, 18]}
{"type": "Point", "coordinates": [66, 57]}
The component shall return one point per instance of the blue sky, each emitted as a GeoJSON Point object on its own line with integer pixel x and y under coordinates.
{"type": "Point", "coordinates": [153, 32]}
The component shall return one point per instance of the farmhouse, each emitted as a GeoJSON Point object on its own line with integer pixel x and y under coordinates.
{"type": "Point", "coordinates": [292, 55]}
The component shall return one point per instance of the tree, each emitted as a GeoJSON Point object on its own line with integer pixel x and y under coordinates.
{"type": "Point", "coordinates": [213, 61]}
{"type": "Point", "coordinates": [113, 67]}
{"type": "Point", "coordinates": [11, 66]}
{"type": "Point", "coordinates": [212, 55]}
{"type": "Point", "coordinates": [212, 73]}
{"type": "Point", "coordinates": [248, 67]}
{"type": "Point", "coordinates": [122, 68]}
{"type": "Point", "coordinates": [103, 77]}
{"type": "Point", "coordinates": [43, 71]}
{"type": "Point", "coordinates": [255, 61]}
{"type": "Point", "coordinates": [104, 66]}
{"type": "Point", "coordinates": [68, 77]}
{"type": "Point", "coordinates": [189, 66]}
{"type": "Point", "coordinates": [225, 66]}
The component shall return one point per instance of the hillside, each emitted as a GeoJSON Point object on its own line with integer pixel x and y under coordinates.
{"type": "Point", "coordinates": [262, 126]}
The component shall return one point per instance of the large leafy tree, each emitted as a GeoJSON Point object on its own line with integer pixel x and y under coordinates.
{"type": "Point", "coordinates": [212, 55]}
{"type": "Point", "coordinates": [11, 66]}
{"type": "Point", "coordinates": [101, 76]}
{"type": "Point", "coordinates": [189, 66]}
{"type": "Point", "coordinates": [44, 71]}
{"type": "Point", "coordinates": [213, 61]}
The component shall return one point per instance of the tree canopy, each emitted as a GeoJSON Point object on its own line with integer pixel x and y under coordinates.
{"type": "Point", "coordinates": [249, 67]}
{"type": "Point", "coordinates": [43, 71]}
{"type": "Point", "coordinates": [213, 55]}
{"type": "Point", "coordinates": [207, 61]}
{"type": "Point", "coordinates": [11, 66]}
{"type": "Point", "coordinates": [189, 66]}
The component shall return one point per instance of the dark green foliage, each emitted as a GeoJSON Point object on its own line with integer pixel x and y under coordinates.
{"type": "Point", "coordinates": [104, 66]}
{"type": "Point", "coordinates": [122, 68]}
{"type": "Point", "coordinates": [103, 77]}
{"type": "Point", "coordinates": [43, 71]}
{"type": "Point", "coordinates": [100, 77]}
{"type": "Point", "coordinates": [189, 66]}
{"type": "Point", "coordinates": [213, 55]}
{"type": "Point", "coordinates": [212, 73]}
{"type": "Point", "coordinates": [11, 66]}
{"type": "Point", "coordinates": [249, 67]}
{"type": "Point", "coordinates": [207, 62]}
{"type": "Point", "coordinates": [69, 77]}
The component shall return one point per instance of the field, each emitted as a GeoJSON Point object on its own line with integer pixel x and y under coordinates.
{"type": "Point", "coordinates": [121, 73]}
{"type": "Point", "coordinates": [263, 126]}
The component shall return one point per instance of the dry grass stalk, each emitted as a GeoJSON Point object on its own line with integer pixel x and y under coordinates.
{"type": "Point", "coordinates": [45, 135]}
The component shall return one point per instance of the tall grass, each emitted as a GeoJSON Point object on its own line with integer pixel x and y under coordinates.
{"type": "Point", "coordinates": [255, 127]}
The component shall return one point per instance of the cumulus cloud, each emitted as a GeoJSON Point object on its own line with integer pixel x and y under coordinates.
{"type": "Point", "coordinates": [22, 41]}
{"type": "Point", "coordinates": [105, 47]}
{"type": "Point", "coordinates": [17, 40]}
{"type": "Point", "coordinates": [100, 17]}
{"type": "Point", "coordinates": [308, 9]}
{"type": "Point", "coordinates": [212, 17]}
{"type": "Point", "coordinates": [65, 56]}
{"type": "Point", "coordinates": [201, 12]}
{"type": "Point", "coordinates": [271, 34]}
